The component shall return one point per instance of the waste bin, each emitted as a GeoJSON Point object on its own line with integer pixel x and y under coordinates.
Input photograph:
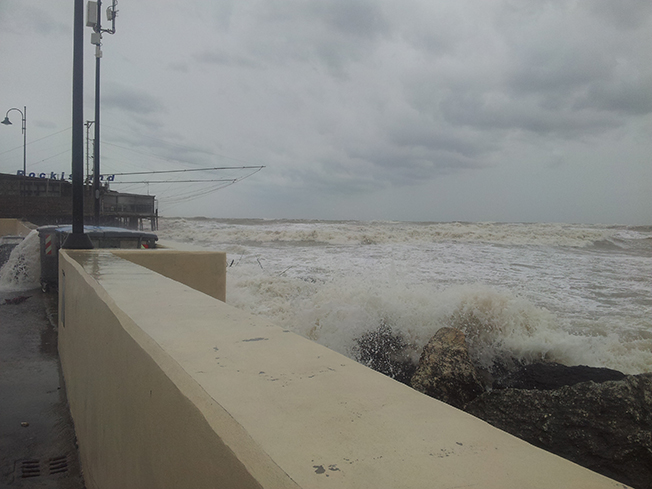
{"type": "Point", "coordinates": [52, 237]}
{"type": "Point", "coordinates": [49, 237]}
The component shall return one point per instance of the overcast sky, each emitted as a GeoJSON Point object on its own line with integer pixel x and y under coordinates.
{"type": "Point", "coordinates": [424, 110]}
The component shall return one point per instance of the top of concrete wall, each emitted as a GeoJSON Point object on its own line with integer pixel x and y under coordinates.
{"type": "Point", "coordinates": [204, 271]}
{"type": "Point", "coordinates": [319, 419]}
{"type": "Point", "coordinates": [15, 227]}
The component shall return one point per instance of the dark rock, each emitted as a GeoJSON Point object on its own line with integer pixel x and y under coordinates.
{"type": "Point", "coordinates": [548, 376]}
{"type": "Point", "coordinates": [445, 371]}
{"type": "Point", "coordinates": [500, 367]}
{"type": "Point", "coordinates": [387, 352]}
{"type": "Point", "coordinates": [605, 427]}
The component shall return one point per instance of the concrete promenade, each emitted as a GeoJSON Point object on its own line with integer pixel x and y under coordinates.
{"type": "Point", "coordinates": [37, 439]}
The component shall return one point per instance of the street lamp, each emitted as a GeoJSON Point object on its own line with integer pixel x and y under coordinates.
{"type": "Point", "coordinates": [7, 122]}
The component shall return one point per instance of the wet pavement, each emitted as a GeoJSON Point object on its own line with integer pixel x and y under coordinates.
{"type": "Point", "coordinates": [37, 439]}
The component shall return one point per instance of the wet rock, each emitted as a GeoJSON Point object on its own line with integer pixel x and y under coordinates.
{"type": "Point", "coordinates": [445, 371]}
{"type": "Point", "coordinates": [548, 376]}
{"type": "Point", "coordinates": [387, 352]}
{"type": "Point", "coordinates": [606, 427]}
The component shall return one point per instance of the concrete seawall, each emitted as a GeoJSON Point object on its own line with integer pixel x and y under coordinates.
{"type": "Point", "coordinates": [15, 227]}
{"type": "Point", "coordinates": [170, 387]}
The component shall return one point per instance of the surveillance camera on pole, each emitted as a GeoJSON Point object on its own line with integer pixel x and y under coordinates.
{"type": "Point", "coordinates": [94, 20]}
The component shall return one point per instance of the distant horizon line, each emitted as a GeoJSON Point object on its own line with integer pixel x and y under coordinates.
{"type": "Point", "coordinates": [455, 221]}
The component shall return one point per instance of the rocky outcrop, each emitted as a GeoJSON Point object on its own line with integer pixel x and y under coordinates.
{"type": "Point", "coordinates": [445, 371]}
{"type": "Point", "coordinates": [596, 417]}
{"type": "Point", "coordinates": [548, 376]}
{"type": "Point", "coordinates": [387, 352]}
{"type": "Point", "coordinates": [606, 427]}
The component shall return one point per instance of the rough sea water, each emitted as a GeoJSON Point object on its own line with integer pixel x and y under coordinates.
{"type": "Point", "coordinates": [574, 294]}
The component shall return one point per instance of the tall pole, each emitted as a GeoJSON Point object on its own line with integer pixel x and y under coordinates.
{"type": "Point", "coordinates": [22, 204]}
{"type": "Point", "coordinates": [78, 240]}
{"type": "Point", "coordinates": [88, 154]}
{"type": "Point", "coordinates": [24, 140]}
{"type": "Point", "coordinates": [96, 146]}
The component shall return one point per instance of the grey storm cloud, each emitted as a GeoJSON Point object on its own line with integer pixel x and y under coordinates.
{"type": "Point", "coordinates": [625, 14]}
{"type": "Point", "coordinates": [329, 33]}
{"type": "Point", "coordinates": [117, 96]}
{"type": "Point", "coordinates": [492, 113]}
{"type": "Point", "coordinates": [179, 66]}
{"type": "Point", "coordinates": [408, 94]}
{"type": "Point", "coordinates": [548, 74]}
{"type": "Point", "coordinates": [361, 98]}
{"type": "Point", "coordinates": [220, 57]}
{"type": "Point", "coordinates": [159, 149]}
{"type": "Point", "coordinates": [17, 18]}
{"type": "Point", "coordinates": [424, 133]}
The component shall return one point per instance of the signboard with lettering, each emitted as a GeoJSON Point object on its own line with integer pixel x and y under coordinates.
{"type": "Point", "coordinates": [63, 176]}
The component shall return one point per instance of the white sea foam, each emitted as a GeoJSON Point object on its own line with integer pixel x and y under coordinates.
{"type": "Point", "coordinates": [575, 294]}
{"type": "Point", "coordinates": [22, 270]}
{"type": "Point", "coordinates": [352, 232]}
{"type": "Point", "coordinates": [498, 323]}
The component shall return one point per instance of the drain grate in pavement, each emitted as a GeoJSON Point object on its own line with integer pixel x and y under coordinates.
{"type": "Point", "coordinates": [58, 465]}
{"type": "Point", "coordinates": [27, 469]}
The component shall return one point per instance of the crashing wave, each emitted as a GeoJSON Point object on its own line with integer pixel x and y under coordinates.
{"type": "Point", "coordinates": [22, 270]}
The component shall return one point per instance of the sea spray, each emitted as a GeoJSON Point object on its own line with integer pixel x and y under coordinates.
{"type": "Point", "coordinates": [22, 270]}
{"type": "Point", "coordinates": [576, 294]}
{"type": "Point", "coordinates": [499, 325]}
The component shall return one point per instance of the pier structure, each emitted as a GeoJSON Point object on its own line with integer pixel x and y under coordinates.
{"type": "Point", "coordinates": [42, 200]}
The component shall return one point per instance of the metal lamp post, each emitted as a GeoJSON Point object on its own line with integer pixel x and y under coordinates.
{"type": "Point", "coordinates": [7, 122]}
{"type": "Point", "coordinates": [78, 239]}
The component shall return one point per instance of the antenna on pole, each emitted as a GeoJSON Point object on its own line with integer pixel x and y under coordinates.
{"type": "Point", "coordinates": [111, 13]}
{"type": "Point", "coordinates": [94, 20]}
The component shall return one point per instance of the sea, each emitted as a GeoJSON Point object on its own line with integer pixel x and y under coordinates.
{"type": "Point", "coordinates": [576, 294]}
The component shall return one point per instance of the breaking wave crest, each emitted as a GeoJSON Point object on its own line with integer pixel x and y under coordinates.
{"type": "Point", "coordinates": [499, 325]}
{"type": "Point", "coordinates": [22, 271]}
{"type": "Point", "coordinates": [208, 231]}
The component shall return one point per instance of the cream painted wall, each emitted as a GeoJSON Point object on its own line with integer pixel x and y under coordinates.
{"type": "Point", "coordinates": [15, 227]}
{"type": "Point", "coordinates": [204, 271]}
{"type": "Point", "coordinates": [170, 388]}
{"type": "Point", "coordinates": [141, 422]}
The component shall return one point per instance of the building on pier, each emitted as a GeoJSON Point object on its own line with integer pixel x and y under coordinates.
{"type": "Point", "coordinates": [46, 200]}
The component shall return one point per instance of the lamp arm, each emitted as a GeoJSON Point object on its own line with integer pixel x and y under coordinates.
{"type": "Point", "coordinates": [23, 115]}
